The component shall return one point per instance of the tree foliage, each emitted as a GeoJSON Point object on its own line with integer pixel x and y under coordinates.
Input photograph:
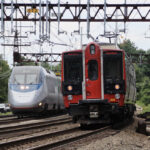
{"type": "Point", "coordinates": [128, 46]}
{"type": "Point", "coordinates": [142, 72]}
{"type": "Point", "coordinates": [4, 75]}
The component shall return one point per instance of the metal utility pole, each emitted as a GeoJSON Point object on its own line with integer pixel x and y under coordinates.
{"type": "Point", "coordinates": [79, 16]}
{"type": "Point", "coordinates": [58, 16]}
{"type": "Point", "coordinates": [2, 17]}
{"type": "Point", "coordinates": [12, 11]}
{"type": "Point", "coordinates": [49, 29]}
{"type": "Point", "coordinates": [116, 29]}
{"type": "Point", "coordinates": [16, 16]}
{"type": "Point", "coordinates": [35, 21]}
{"type": "Point", "coordinates": [88, 17]}
{"type": "Point", "coordinates": [46, 18]}
{"type": "Point", "coordinates": [104, 17]}
{"type": "Point", "coordinates": [2, 26]}
{"type": "Point", "coordinates": [16, 47]}
{"type": "Point", "coordinates": [40, 20]}
{"type": "Point", "coordinates": [125, 12]}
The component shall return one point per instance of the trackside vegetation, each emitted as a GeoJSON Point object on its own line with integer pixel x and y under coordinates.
{"type": "Point", "coordinates": [142, 74]}
{"type": "Point", "coordinates": [4, 74]}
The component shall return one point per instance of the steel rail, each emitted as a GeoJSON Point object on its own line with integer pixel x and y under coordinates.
{"type": "Point", "coordinates": [14, 129]}
{"type": "Point", "coordinates": [35, 138]}
{"type": "Point", "coordinates": [68, 140]}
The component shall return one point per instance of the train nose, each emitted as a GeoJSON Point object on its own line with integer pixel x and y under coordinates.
{"type": "Point", "coordinates": [24, 98]}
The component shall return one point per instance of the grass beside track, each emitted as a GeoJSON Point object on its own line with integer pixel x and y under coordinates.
{"type": "Point", "coordinates": [146, 108]}
{"type": "Point", "coordinates": [7, 113]}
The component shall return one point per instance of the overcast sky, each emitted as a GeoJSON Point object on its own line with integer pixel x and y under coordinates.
{"type": "Point", "coordinates": [136, 32]}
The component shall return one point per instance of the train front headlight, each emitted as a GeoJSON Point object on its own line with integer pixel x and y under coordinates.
{"type": "Point", "coordinates": [69, 88]}
{"type": "Point", "coordinates": [117, 86]}
{"type": "Point", "coordinates": [40, 104]}
{"type": "Point", "coordinates": [27, 87]}
{"type": "Point", "coordinates": [22, 87]}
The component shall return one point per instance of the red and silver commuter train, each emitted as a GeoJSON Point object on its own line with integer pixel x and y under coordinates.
{"type": "Point", "coordinates": [98, 84]}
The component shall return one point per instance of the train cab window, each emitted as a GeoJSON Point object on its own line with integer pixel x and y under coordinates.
{"type": "Point", "coordinates": [18, 79]}
{"type": "Point", "coordinates": [73, 68]}
{"type": "Point", "coordinates": [31, 78]}
{"type": "Point", "coordinates": [92, 70]}
{"type": "Point", "coordinates": [113, 67]}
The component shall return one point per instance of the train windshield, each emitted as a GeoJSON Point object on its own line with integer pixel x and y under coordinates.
{"type": "Point", "coordinates": [25, 75]}
{"type": "Point", "coordinates": [25, 79]}
{"type": "Point", "coordinates": [73, 67]}
{"type": "Point", "coordinates": [113, 66]}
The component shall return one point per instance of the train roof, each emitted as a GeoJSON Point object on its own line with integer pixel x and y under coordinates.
{"type": "Point", "coordinates": [104, 46]}
{"type": "Point", "coordinates": [26, 69]}
{"type": "Point", "coordinates": [107, 46]}
{"type": "Point", "coordinates": [73, 51]}
{"type": "Point", "coordinates": [32, 69]}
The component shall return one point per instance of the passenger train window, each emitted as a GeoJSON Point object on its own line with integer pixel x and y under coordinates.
{"type": "Point", "coordinates": [92, 70]}
{"type": "Point", "coordinates": [19, 79]}
{"type": "Point", "coordinates": [31, 78]}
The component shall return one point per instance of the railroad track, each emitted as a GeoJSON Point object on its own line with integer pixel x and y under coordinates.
{"type": "Point", "coordinates": [5, 116]}
{"type": "Point", "coordinates": [52, 139]}
{"type": "Point", "coordinates": [7, 119]}
{"type": "Point", "coordinates": [15, 130]}
{"type": "Point", "coordinates": [13, 120]}
{"type": "Point", "coordinates": [143, 123]}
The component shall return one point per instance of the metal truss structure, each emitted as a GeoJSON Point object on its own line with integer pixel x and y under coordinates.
{"type": "Point", "coordinates": [57, 12]}
{"type": "Point", "coordinates": [40, 57]}
{"type": "Point", "coordinates": [140, 58]}
{"type": "Point", "coordinates": [48, 12]}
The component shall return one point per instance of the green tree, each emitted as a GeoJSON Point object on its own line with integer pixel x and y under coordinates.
{"type": "Point", "coordinates": [142, 71]}
{"type": "Point", "coordinates": [4, 75]}
{"type": "Point", "coordinates": [128, 46]}
{"type": "Point", "coordinates": [144, 93]}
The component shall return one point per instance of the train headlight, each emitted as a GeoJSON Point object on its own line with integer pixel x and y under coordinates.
{"type": "Point", "coordinates": [40, 104]}
{"type": "Point", "coordinates": [27, 87]}
{"type": "Point", "coordinates": [22, 87]}
{"type": "Point", "coordinates": [69, 88]}
{"type": "Point", "coordinates": [117, 96]}
{"type": "Point", "coordinates": [70, 97]}
{"type": "Point", "coordinates": [117, 86]}
{"type": "Point", "coordinates": [92, 49]}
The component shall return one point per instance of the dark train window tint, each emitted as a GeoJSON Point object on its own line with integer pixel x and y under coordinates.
{"type": "Point", "coordinates": [73, 68]}
{"type": "Point", "coordinates": [92, 70]}
{"type": "Point", "coordinates": [113, 68]}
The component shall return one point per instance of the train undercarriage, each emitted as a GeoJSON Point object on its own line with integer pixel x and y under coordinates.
{"type": "Point", "coordinates": [99, 111]}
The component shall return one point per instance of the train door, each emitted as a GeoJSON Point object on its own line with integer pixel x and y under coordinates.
{"type": "Point", "coordinates": [93, 72]}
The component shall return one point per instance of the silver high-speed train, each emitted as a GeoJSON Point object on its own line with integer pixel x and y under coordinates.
{"type": "Point", "coordinates": [33, 90]}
